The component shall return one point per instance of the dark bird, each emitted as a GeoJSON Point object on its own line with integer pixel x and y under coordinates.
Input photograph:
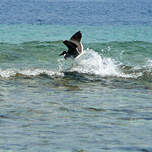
{"type": "Point", "coordinates": [74, 45]}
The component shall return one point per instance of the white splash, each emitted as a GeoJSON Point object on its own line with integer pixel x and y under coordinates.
{"type": "Point", "coordinates": [7, 73]}
{"type": "Point", "coordinates": [36, 72]}
{"type": "Point", "coordinates": [28, 72]}
{"type": "Point", "coordinates": [149, 63]}
{"type": "Point", "coordinates": [92, 63]}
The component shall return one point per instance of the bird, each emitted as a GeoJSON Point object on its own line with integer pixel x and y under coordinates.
{"type": "Point", "coordinates": [74, 45]}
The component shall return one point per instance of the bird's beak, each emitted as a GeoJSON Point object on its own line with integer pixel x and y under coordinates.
{"type": "Point", "coordinates": [62, 53]}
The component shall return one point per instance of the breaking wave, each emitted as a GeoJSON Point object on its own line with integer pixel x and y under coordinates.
{"type": "Point", "coordinates": [89, 63]}
{"type": "Point", "coordinates": [29, 73]}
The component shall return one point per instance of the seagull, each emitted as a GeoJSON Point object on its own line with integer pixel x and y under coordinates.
{"type": "Point", "coordinates": [74, 45]}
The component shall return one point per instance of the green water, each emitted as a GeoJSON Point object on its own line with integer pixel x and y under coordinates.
{"type": "Point", "coordinates": [102, 103]}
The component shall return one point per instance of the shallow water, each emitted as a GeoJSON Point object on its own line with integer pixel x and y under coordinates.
{"type": "Point", "coordinates": [101, 103]}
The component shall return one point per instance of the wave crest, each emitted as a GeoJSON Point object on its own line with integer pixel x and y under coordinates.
{"type": "Point", "coordinates": [90, 63]}
{"type": "Point", "coordinates": [28, 72]}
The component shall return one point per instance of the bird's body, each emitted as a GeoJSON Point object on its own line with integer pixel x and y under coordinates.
{"type": "Point", "coordinates": [74, 45]}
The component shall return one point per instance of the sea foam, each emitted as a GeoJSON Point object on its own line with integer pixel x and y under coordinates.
{"type": "Point", "coordinates": [92, 63]}
{"type": "Point", "coordinates": [28, 72]}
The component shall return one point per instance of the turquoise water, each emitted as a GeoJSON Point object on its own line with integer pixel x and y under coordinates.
{"type": "Point", "coordinates": [100, 104]}
{"type": "Point", "coordinates": [105, 33]}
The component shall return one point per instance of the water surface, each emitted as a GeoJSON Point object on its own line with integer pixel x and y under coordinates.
{"type": "Point", "coordinates": [102, 103]}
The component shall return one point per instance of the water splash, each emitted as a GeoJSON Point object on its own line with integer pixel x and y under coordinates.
{"type": "Point", "coordinates": [149, 63]}
{"type": "Point", "coordinates": [92, 63]}
{"type": "Point", "coordinates": [7, 73]}
{"type": "Point", "coordinates": [28, 72]}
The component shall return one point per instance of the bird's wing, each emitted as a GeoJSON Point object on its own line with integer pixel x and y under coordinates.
{"type": "Point", "coordinates": [72, 48]}
{"type": "Point", "coordinates": [76, 37]}
{"type": "Point", "coordinates": [70, 45]}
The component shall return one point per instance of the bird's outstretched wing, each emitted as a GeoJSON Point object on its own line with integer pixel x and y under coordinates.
{"type": "Point", "coordinates": [76, 37]}
{"type": "Point", "coordinates": [70, 45]}
{"type": "Point", "coordinates": [74, 45]}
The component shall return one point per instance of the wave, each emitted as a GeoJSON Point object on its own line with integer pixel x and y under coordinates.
{"type": "Point", "coordinates": [89, 63]}
{"type": "Point", "coordinates": [10, 73]}
{"type": "Point", "coordinates": [120, 51]}
{"type": "Point", "coordinates": [130, 60]}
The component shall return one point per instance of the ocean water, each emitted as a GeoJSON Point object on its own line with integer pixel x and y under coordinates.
{"type": "Point", "coordinates": [103, 103]}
